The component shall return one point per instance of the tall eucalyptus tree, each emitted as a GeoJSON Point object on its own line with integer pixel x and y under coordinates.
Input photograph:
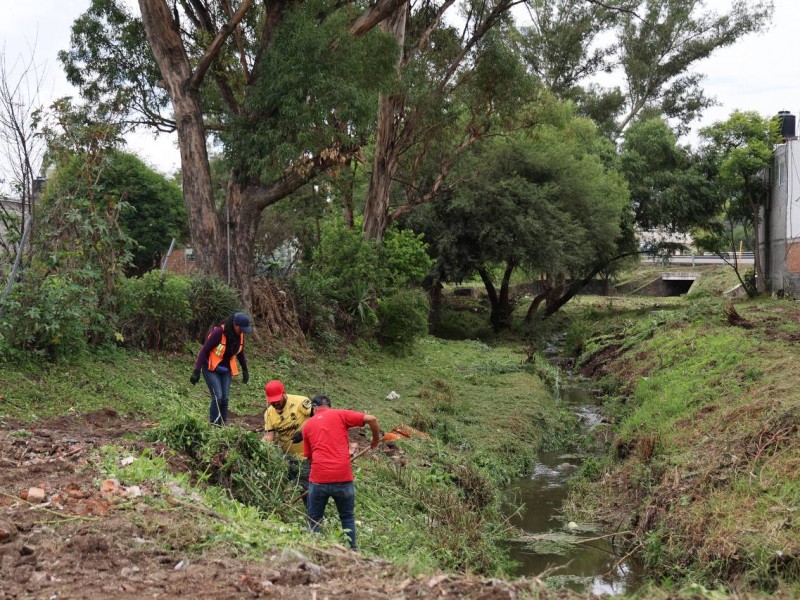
{"type": "Point", "coordinates": [261, 78]}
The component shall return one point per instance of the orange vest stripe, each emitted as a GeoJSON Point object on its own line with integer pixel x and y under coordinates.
{"type": "Point", "coordinates": [215, 356]}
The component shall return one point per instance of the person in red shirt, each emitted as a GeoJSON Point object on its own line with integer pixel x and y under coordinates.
{"type": "Point", "coordinates": [327, 445]}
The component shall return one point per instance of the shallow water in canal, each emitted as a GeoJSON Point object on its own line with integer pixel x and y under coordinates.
{"type": "Point", "coordinates": [593, 566]}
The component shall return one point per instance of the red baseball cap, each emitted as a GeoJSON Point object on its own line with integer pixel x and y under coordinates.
{"type": "Point", "coordinates": [274, 390]}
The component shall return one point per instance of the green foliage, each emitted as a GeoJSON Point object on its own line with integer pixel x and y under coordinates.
{"type": "Point", "coordinates": [749, 281]}
{"type": "Point", "coordinates": [578, 332]}
{"type": "Point", "coordinates": [349, 276]}
{"type": "Point", "coordinates": [591, 468]}
{"type": "Point", "coordinates": [402, 318]}
{"type": "Point", "coordinates": [320, 92]}
{"type": "Point", "coordinates": [356, 300]}
{"type": "Point", "coordinates": [154, 311]}
{"type": "Point", "coordinates": [403, 257]}
{"type": "Point", "coordinates": [669, 189]}
{"type": "Point", "coordinates": [316, 309]}
{"type": "Point", "coordinates": [186, 435]}
{"type": "Point", "coordinates": [153, 213]}
{"type": "Point", "coordinates": [544, 202]}
{"type": "Point", "coordinates": [211, 300]}
{"type": "Point", "coordinates": [345, 256]}
{"type": "Point", "coordinates": [157, 212]}
{"type": "Point", "coordinates": [254, 472]}
{"type": "Point", "coordinates": [166, 311]}
{"type": "Point", "coordinates": [655, 45]}
{"type": "Point", "coordinates": [55, 320]}
{"type": "Point", "coordinates": [737, 152]}
{"type": "Point", "coordinates": [78, 249]}
{"type": "Point", "coordinates": [110, 61]}
{"type": "Point", "coordinates": [344, 274]}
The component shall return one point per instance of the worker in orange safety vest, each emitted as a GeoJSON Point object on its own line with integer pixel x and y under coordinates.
{"type": "Point", "coordinates": [217, 359]}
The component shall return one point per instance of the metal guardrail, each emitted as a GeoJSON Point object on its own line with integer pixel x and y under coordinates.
{"type": "Point", "coordinates": [743, 258]}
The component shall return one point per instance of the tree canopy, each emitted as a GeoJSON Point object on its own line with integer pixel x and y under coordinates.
{"type": "Point", "coordinates": [278, 84]}
{"type": "Point", "coordinates": [668, 183]}
{"type": "Point", "coordinates": [739, 154]}
{"type": "Point", "coordinates": [654, 45]}
{"type": "Point", "coordinates": [545, 202]}
{"type": "Point", "coordinates": [154, 212]}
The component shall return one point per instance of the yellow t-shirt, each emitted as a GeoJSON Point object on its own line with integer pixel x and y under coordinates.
{"type": "Point", "coordinates": [288, 422]}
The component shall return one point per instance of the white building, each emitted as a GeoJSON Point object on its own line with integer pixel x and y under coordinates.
{"type": "Point", "coordinates": [780, 225]}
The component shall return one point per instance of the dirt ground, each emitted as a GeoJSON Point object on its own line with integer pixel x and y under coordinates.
{"type": "Point", "coordinates": [80, 536]}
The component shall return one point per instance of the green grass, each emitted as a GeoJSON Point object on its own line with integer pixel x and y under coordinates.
{"type": "Point", "coordinates": [703, 468]}
{"type": "Point", "coordinates": [706, 455]}
{"type": "Point", "coordinates": [486, 410]}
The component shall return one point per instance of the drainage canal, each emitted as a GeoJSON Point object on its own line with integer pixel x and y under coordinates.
{"type": "Point", "coordinates": [572, 555]}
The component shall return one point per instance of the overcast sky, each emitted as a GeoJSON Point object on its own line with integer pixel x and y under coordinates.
{"type": "Point", "coordinates": [760, 73]}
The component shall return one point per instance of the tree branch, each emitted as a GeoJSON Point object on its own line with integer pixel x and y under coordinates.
{"type": "Point", "coordinates": [423, 39]}
{"type": "Point", "coordinates": [239, 41]}
{"type": "Point", "coordinates": [376, 13]}
{"type": "Point", "coordinates": [216, 45]}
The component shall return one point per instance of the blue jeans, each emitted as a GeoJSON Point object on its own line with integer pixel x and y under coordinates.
{"type": "Point", "coordinates": [219, 386]}
{"type": "Point", "coordinates": [344, 495]}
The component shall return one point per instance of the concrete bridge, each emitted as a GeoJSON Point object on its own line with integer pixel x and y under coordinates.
{"type": "Point", "coordinates": [743, 258]}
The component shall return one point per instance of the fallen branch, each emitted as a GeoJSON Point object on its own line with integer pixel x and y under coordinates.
{"type": "Point", "coordinates": [201, 508]}
{"type": "Point", "coordinates": [602, 537]}
{"type": "Point", "coordinates": [638, 546]}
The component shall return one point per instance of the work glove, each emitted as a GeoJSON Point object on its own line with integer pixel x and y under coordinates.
{"type": "Point", "coordinates": [245, 376]}
{"type": "Point", "coordinates": [195, 377]}
{"type": "Point", "coordinates": [297, 437]}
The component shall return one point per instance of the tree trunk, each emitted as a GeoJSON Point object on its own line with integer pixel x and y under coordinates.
{"type": "Point", "coordinates": [243, 227]}
{"type": "Point", "coordinates": [433, 284]}
{"type": "Point", "coordinates": [534, 307]}
{"type": "Point", "coordinates": [761, 284]}
{"type": "Point", "coordinates": [557, 300]}
{"type": "Point", "coordinates": [164, 38]}
{"type": "Point", "coordinates": [386, 161]}
{"type": "Point", "coordinates": [347, 195]}
{"type": "Point", "coordinates": [501, 306]}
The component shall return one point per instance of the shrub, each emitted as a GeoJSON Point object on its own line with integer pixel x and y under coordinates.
{"type": "Point", "coordinates": [154, 311]}
{"type": "Point", "coordinates": [316, 308]}
{"type": "Point", "coordinates": [254, 472]}
{"type": "Point", "coordinates": [55, 318]}
{"type": "Point", "coordinates": [577, 334]}
{"type": "Point", "coordinates": [750, 283]}
{"type": "Point", "coordinates": [357, 301]}
{"type": "Point", "coordinates": [402, 318]}
{"type": "Point", "coordinates": [403, 258]}
{"type": "Point", "coordinates": [211, 300]}
{"type": "Point", "coordinates": [349, 277]}
{"type": "Point", "coordinates": [343, 258]}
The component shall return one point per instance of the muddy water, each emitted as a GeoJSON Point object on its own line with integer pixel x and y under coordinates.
{"type": "Point", "coordinates": [593, 566]}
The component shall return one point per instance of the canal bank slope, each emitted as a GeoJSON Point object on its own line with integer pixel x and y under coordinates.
{"type": "Point", "coordinates": [703, 473]}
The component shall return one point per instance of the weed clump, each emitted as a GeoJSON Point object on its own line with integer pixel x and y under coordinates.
{"type": "Point", "coordinates": [253, 472]}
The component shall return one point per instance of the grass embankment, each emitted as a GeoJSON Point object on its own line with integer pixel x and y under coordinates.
{"type": "Point", "coordinates": [707, 456]}
{"type": "Point", "coordinates": [434, 504]}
